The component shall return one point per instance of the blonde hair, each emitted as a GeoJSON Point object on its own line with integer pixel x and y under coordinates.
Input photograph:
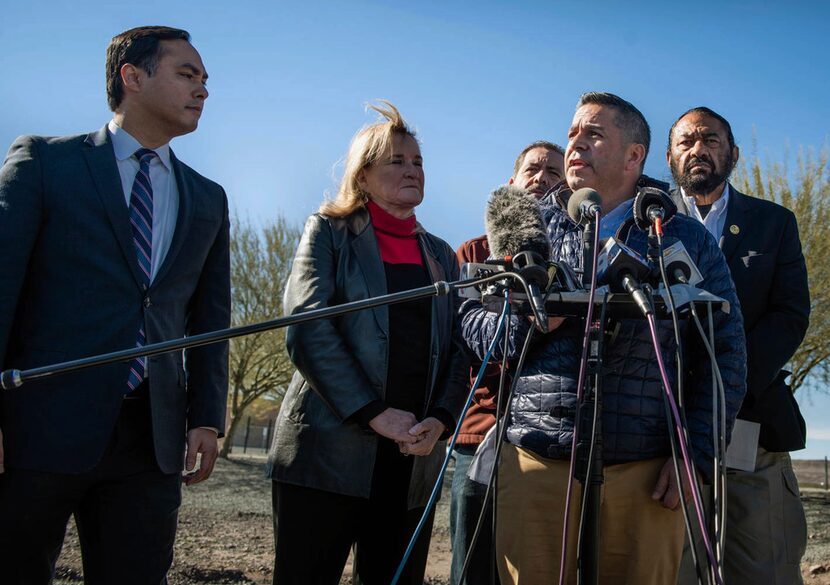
{"type": "Point", "coordinates": [367, 147]}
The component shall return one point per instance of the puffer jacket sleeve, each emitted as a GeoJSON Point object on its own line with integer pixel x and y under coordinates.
{"type": "Point", "coordinates": [730, 351]}
{"type": "Point", "coordinates": [316, 348]}
{"type": "Point", "coordinates": [479, 326]}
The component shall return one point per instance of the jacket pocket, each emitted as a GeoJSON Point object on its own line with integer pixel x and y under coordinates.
{"type": "Point", "coordinates": [795, 524]}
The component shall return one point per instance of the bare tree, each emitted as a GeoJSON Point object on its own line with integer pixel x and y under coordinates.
{"type": "Point", "coordinates": [805, 191]}
{"type": "Point", "coordinates": [260, 264]}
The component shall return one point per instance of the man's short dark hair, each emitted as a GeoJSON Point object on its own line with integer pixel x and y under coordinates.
{"type": "Point", "coordinates": [629, 119]}
{"type": "Point", "coordinates": [704, 111]}
{"type": "Point", "coordinates": [141, 47]}
{"type": "Point", "coordinates": [538, 144]}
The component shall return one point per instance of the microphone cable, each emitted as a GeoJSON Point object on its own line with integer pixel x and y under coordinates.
{"type": "Point", "coordinates": [439, 482]}
{"type": "Point", "coordinates": [436, 489]}
{"type": "Point", "coordinates": [494, 476]}
{"type": "Point", "coordinates": [658, 232]}
{"type": "Point", "coordinates": [502, 433]}
{"type": "Point", "coordinates": [719, 428]}
{"type": "Point", "coordinates": [583, 366]}
{"type": "Point", "coordinates": [687, 460]}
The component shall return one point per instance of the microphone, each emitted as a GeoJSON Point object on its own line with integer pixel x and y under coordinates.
{"type": "Point", "coordinates": [622, 268]}
{"type": "Point", "coordinates": [651, 203]}
{"type": "Point", "coordinates": [515, 231]}
{"type": "Point", "coordinates": [583, 208]}
{"type": "Point", "coordinates": [679, 265]}
{"type": "Point", "coordinates": [583, 205]}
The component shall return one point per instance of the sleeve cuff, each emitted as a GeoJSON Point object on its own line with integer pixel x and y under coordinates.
{"type": "Point", "coordinates": [444, 416]}
{"type": "Point", "coordinates": [365, 415]}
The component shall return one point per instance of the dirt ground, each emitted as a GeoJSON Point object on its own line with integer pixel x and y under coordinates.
{"type": "Point", "coordinates": [225, 534]}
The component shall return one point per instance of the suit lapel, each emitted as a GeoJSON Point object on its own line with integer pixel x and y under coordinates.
{"type": "Point", "coordinates": [677, 197]}
{"type": "Point", "coordinates": [366, 251]}
{"type": "Point", "coordinates": [183, 217]}
{"type": "Point", "coordinates": [736, 224]}
{"type": "Point", "coordinates": [100, 159]}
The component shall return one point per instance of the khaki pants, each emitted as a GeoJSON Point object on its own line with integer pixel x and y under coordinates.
{"type": "Point", "coordinates": [766, 532]}
{"type": "Point", "coordinates": [641, 542]}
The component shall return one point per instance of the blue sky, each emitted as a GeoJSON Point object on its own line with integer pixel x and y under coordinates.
{"type": "Point", "coordinates": [479, 80]}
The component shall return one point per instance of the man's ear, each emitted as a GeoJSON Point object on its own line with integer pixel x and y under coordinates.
{"type": "Point", "coordinates": [736, 154]}
{"type": "Point", "coordinates": [511, 181]}
{"type": "Point", "coordinates": [635, 157]}
{"type": "Point", "coordinates": [131, 78]}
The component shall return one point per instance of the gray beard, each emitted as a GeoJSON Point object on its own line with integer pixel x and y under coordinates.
{"type": "Point", "coordinates": [702, 184]}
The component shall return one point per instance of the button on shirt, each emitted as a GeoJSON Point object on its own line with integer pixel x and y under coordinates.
{"type": "Point", "coordinates": [165, 190]}
{"type": "Point", "coordinates": [716, 218]}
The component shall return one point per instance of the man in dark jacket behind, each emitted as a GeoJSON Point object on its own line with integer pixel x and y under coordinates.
{"type": "Point", "coordinates": [642, 532]}
{"type": "Point", "coordinates": [539, 167]}
{"type": "Point", "coordinates": [766, 532]}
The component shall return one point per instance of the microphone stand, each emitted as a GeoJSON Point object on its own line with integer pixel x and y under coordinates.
{"type": "Point", "coordinates": [14, 378]}
{"type": "Point", "coordinates": [588, 252]}
{"type": "Point", "coordinates": [589, 461]}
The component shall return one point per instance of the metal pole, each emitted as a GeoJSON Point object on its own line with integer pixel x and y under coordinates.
{"type": "Point", "coordinates": [247, 433]}
{"type": "Point", "coordinates": [15, 378]}
{"type": "Point", "coordinates": [268, 435]}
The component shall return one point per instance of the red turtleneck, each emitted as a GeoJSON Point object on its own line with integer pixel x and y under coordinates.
{"type": "Point", "coordinates": [397, 239]}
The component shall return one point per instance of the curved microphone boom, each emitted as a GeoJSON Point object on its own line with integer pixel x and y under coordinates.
{"type": "Point", "coordinates": [515, 232]}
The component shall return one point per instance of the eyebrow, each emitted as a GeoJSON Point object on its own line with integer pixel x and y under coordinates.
{"type": "Point", "coordinates": [593, 125]}
{"type": "Point", "coordinates": [195, 70]}
{"type": "Point", "coordinates": [696, 133]}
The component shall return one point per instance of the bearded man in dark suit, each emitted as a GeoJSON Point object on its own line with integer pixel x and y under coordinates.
{"type": "Point", "coordinates": [766, 532]}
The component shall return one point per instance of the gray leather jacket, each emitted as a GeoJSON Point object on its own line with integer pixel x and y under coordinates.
{"type": "Point", "coordinates": [342, 363]}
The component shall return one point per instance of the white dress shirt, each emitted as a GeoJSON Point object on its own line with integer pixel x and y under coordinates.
{"type": "Point", "coordinates": [165, 190]}
{"type": "Point", "coordinates": [716, 218]}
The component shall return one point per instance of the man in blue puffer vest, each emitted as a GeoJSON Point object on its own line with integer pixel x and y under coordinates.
{"type": "Point", "coordinates": [642, 529]}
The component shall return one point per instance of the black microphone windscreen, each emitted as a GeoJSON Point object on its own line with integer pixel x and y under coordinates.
{"type": "Point", "coordinates": [652, 196]}
{"type": "Point", "coordinates": [576, 203]}
{"type": "Point", "coordinates": [513, 222]}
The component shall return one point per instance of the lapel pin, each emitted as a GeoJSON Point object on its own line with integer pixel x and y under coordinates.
{"type": "Point", "coordinates": [735, 230]}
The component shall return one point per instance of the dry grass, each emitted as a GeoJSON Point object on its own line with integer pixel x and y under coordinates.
{"type": "Point", "coordinates": [225, 534]}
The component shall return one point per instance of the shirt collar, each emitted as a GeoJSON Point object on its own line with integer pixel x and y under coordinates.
{"type": "Point", "coordinates": [125, 145]}
{"type": "Point", "coordinates": [619, 213]}
{"type": "Point", "coordinates": [717, 207]}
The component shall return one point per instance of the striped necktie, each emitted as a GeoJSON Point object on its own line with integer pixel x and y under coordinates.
{"type": "Point", "coordinates": [141, 221]}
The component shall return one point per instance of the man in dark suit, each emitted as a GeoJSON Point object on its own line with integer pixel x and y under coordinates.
{"type": "Point", "coordinates": [110, 242]}
{"type": "Point", "coordinates": [765, 525]}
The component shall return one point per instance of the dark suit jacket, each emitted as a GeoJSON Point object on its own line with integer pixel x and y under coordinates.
{"type": "Point", "coordinates": [770, 276]}
{"type": "Point", "coordinates": [71, 288]}
{"type": "Point", "coordinates": [342, 363]}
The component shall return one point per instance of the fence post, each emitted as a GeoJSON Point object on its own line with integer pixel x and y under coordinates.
{"type": "Point", "coordinates": [247, 432]}
{"type": "Point", "coordinates": [268, 435]}
{"type": "Point", "coordinates": [825, 473]}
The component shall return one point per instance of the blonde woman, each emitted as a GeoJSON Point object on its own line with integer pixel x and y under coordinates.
{"type": "Point", "coordinates": [371, 387]}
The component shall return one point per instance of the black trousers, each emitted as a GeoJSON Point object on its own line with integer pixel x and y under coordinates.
{"type": "Point", "coordinates": [125, 510]}
{"type": "Point", "coordinates": [314, 529]}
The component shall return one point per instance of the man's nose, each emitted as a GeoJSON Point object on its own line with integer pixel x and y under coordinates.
{"type": "Point", "coordinates": [699, 148]}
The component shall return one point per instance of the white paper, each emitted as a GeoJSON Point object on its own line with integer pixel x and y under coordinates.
{"type": "Point", "coordinates": [741, 452]}
{"type": "Point", "coordinates": [484, 459]}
